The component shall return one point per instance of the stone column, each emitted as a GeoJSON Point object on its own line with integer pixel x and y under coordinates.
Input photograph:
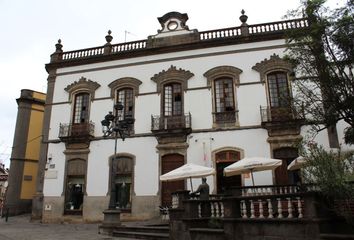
{"type": "Point", "coordinates": [37, 202]}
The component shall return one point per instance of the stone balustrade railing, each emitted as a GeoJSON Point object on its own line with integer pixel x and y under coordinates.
{"type": "Point", "coordinates": [277, 26]}
{"type": "Point", "coordinates": [211, 35]}
{"type": "Point", "coordinates": [84, 53]}
{"type": "Point", "coordinates": [220, 33]}
{"type": "Point", "coordinates": [290, 206]}
{"type": "Point", "coordinates": [214, 208]}
{"type": "Point", "coordinates": [129, 46]}
{"type": "Point", "coordinates": [255, 29]}
{"type": "Point", "coordinates": [272, 190]}
{"type": "Point", "coordinates": [287, 201]}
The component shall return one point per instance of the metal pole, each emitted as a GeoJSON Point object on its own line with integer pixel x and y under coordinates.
{"type": "Point", "coordinates": [113, 197]}
{"type": "Point", "coordinates": [191, 183]}
{"type": "Point", "coordinates": [7, 214]}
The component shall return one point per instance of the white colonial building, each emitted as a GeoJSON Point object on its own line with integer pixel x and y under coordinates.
{"type": "Point", "coordinates": [209, 98]}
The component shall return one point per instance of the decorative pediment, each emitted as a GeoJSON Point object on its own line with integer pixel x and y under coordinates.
{"type": "Point", "coordinates": [223, 71]}
{"type": "Point", "coordinates": [126, 82]}
{"type": "Point", "coordinates": [173, 21]}
{"type": "Point", "coordinates": [82, 85]}
{"type": "Point", "coordinates": [275, 63]}
{"type": "Point", "coordinates": [172, 75]}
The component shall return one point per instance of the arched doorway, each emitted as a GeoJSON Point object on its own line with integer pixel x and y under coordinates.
{"type": "Point", "coordinates": [123, 168]}
{"type": "Point", "coordinates": [282, 175]}
{"type": "Point", "coordinates": [168, 163]}
{"type": "Point", "coordinates": [75, 186]}
{"type": "Point", "coordinates": [222, 160]}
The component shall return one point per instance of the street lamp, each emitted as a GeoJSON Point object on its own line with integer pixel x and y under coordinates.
{"type": "Point", "coordinates": [117, 124]}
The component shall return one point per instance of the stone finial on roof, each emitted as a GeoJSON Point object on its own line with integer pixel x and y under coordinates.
{"type": "Point", "coordinates": [109, 37]}
{"type": "Point", "coordinates": [58, 47]}
{"type": "Point", "coordinates": [108, 46]}
{"type": "Point", "coordinates": [244, 25]}
{"type": "Point", "coordinates": [57, 55]}
{"type": "Point", "coordinates": [243, 18]}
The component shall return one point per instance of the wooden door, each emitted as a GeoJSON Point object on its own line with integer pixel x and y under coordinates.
{"type": "Point", "coordinates": [224, 159]}
{"type": "Point", "coordinates": [169, 163]}
{"type": "Point", "coordinates": [225, 184]}
{"type": "Point", "coordinates": [282, 175]}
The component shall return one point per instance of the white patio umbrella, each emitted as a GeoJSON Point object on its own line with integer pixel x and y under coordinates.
{"type": "Point", "coordinates": [297, 163]}
{"type": "Point", "coordinates": [188, 170]}
{"type": "Point", "coordinates": [250, 165]}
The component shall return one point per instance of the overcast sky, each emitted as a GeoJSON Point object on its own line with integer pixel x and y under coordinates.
{"type": "Point", "coordinates": [30, 29]}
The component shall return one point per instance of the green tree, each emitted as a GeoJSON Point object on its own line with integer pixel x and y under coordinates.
{"type": "Point", "coordinates": [333, 174]}
{"type": "Point", "coordinates": [323, 55]}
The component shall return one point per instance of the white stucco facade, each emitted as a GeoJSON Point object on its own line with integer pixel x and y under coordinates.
{"type": "Point", "coordinates": [146, 149]}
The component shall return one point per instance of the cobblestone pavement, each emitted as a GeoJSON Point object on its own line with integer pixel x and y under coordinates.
{"type": "Point", "coordinates": [20, 228]}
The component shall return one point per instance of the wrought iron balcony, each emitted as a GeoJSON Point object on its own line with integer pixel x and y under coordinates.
{"type": "Point", "coordinates": [165, 123]}
{"type": "Point", "coordinates": [225, 117]}
{"type": "Point", "coordinates": [78, 132]}
{"type": "Point", "coordinates": [281, 114]}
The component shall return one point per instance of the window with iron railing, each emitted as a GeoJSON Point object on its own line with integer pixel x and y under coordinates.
{"type": "Point", "coordinates": [172, 100]}
{"type": "Point", "coordinates": [224, 109]}
{"type": "Point", "coordinates": [278, 90]}
{"type": "Point", "coordinates": [125, 96]}
{"type": "Point", "coordinates": [81, 108]}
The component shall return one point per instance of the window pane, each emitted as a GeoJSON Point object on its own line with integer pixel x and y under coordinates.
{"type": "Point", "coordinates": [81, 108]}
{"type": "Point", "coordinates": [173, 99]}
{"type": "Point", "coordinates": [278, 90]}
{"type": "Point", "coordinates": [224, 95]}
{"type": "Point", "coordinates": [126, 98]}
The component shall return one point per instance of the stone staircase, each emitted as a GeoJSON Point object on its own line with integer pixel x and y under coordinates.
{"type": "Point", "coordinates": [156, 232]}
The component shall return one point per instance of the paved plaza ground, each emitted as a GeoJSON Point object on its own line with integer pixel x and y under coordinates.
{"type": "Point", "coordinates": [20, 228]}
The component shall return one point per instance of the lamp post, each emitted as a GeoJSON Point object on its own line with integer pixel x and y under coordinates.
{"type": "Point", "coordinates": [117, 124]}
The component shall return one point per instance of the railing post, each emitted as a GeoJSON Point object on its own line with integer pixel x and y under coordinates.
{"type": "Point", "coordinates": [108, 46]}
{"type": "Point", "coordinates": [232, 208]}
{"type": "Point", "coordinates": [315, 206]}
{"type": "Point", "coordinates": [191, 208]}
{"type": "Point", "coordinates": [244, 25]}
{"type": "Point", "coordinates": [58, 54]}
{"type": "Point", "coordinates": [182, 196]}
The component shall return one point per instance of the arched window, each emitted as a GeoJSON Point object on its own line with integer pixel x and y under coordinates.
{"type": "Point", "coordinates": [81, 108]}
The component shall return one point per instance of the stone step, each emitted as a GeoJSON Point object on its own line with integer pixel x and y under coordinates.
{"type": "Point", "coordinates": [335, 236]}
{"type": "Point", "coordinates": [141, 235]}
{"type": "Point", "coordinates": [149, 229]}
{"type": "Point", "coordinates": [207, 234]}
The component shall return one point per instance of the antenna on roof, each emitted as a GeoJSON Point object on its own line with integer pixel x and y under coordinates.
{"type": "Point", "coordinates": [125, 35]}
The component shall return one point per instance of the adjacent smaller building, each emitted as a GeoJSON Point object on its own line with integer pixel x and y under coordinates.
{"type": "Point", "coordinates": [25, 152]}
{"type": "Point", "coordinates": [3, 182]}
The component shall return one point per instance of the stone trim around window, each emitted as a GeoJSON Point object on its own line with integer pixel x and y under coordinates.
{"type": "Point", "coordinates": [274, 63]}
{"type": "Point", "coordinates": [232, 73]}
{"type": "Point", "coordinates": [125, 82]}
{"type": "Point", "coordinates": [83, 84]}
{"type": "Point", "coordinates": [223, 71]}
{"type": "Point", "coordinates": [172, 75]}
